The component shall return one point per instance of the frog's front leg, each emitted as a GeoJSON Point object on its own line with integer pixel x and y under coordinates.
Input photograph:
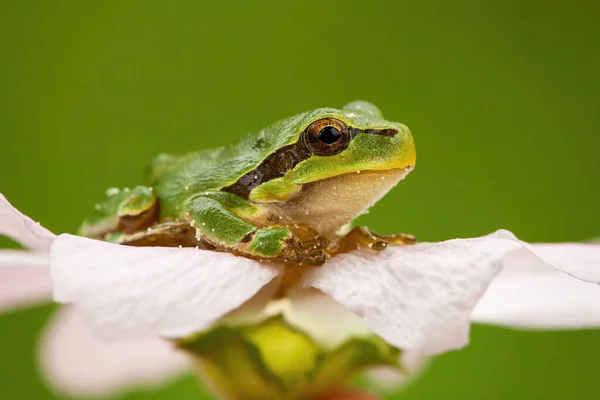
{"type": "Point", "coordinates": [362, 237]}
{"type": "Point", "coordinates": [219, 219]}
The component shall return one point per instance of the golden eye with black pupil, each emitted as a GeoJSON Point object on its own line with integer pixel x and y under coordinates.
{"type": "Point", "coordinates": [327, 136]}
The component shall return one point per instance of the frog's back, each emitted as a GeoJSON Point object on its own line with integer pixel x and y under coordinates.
{"type": "Point", "coordinates": [175, 178]}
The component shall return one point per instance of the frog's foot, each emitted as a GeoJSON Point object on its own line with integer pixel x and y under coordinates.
{"type": "Point", "coordinates": [295, 244]}
{"type": "Point", "coordinates": [307, 245]}
{"type": "Point", "coordinates": [362, 237]}
{"type": "Point", "coordinates": [310, 239]}
{"type": "Point", "coordinates": [299, 252]}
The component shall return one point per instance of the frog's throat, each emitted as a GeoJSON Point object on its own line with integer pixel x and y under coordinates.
{"type": "Point", "coordinates": [330, 203]}
{"type": "Point", "coordinates": [284, 160]}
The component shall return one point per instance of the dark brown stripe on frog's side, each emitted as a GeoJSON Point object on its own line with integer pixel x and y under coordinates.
{"type": "Point", "coordinates": [285, 159]}
{"type": "Point", "coordinates": [274, 166]}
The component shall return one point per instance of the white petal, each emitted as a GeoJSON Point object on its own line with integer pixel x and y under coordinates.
{"type": "Point", "coordinates": [415, 297]}
{"type": "Point", "coordinates": [531, 294]}
{"type": "Point", "coordinates": [24, 279]}
{"type": "Point", "coordinates": [257, 309]}
{"type": "Point", "coordinates": [420, 297]}
{"type": "Point", "coordinates": [391, 379]}
{"type": "Point", "coordinates": [76, 363]}
{"type": "Point", "coordinates": [581, 260]}
{"type": "Point", "coordinates": [307, 309]}
{"type": "Point", "coordinates": [148, 291]}
{"type": "Point", "coordinates": [577, 259]}
{"type": "Point", "coordinates": [23, 229]}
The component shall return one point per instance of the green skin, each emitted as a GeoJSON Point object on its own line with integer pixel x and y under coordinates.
{"type": "Point", "coordinates": [193, 189]}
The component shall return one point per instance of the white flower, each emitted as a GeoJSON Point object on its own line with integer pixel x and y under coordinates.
{"type": "Point", "coordinates": [419, 298]}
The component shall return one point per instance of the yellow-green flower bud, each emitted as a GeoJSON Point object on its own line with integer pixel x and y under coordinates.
{"type": "Point", "coordinates": [270, 359]}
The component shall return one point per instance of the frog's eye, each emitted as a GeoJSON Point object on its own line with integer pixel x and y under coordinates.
{"type": "Point", "coordinates": [327, 136]}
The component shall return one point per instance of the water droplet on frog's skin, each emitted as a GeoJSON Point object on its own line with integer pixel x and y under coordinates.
{"type": "Point", "coordinates": [112, 191]}
{"type": "Point", "coordinates": [186, 187]}
{"type": "Point", "coordinates": [358, 172]}
{"type": "Point", "coordinates": [126, 190]}
{"type": "Point", "coordinates": [192, 222]}
{"type": "Point", "coordinates": [203, 224]}
{"type": "Point", "coordinates": [98, 207]}
{"type": "Point", "coordinates": [255, 177]}
{"type": "Point", "coordinates": [382, 178]}
{"type": "Point", "coordinates": [180, 246]}
{"type": "Point", "coordinates": [197, 248]}
{"type": "Point", "coordinates": [213, 229]}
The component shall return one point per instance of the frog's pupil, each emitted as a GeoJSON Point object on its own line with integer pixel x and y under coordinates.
{"type": "Point", "coordinates": [329, 135]}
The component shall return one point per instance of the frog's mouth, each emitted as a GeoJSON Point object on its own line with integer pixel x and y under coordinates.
{"type": "Point", "coordinates": [366, 176]}
{"type": "Point", "coordinates": [370, 182]}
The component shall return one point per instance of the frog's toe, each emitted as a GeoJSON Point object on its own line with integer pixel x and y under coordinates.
{"type": "Point", "coordinates": [317, 257]}
{"type": "Point", "coordinates": [363, 238]}
{"type": "Point", "coordinates": [378, 245]}
{"type": "Point", "coordinates": [400, 239]}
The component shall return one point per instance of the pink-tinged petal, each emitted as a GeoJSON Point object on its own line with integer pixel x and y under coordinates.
{"type": "Point", "coordinates": [531, 294]}
{"type": "Point", "coordinates": [74, 362]}
{"type": "Point", "coordinates": [23, 229]}
{"type": "Point", "coordinates": [24, 279]}
{"type": "Point", "coordinates": [416, 297]}
{"type": "Point", "coordinates": [126, 291]}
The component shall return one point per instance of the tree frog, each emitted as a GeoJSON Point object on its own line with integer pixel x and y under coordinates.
{"type": "Point", "coordinates": [286, 193]}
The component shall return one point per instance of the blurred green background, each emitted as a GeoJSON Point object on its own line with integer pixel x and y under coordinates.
{"type": "Point", "coordinates": [503, 100]}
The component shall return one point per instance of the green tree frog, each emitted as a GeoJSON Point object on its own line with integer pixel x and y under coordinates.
{"type": "Point", "coordinates": [285, 193]}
